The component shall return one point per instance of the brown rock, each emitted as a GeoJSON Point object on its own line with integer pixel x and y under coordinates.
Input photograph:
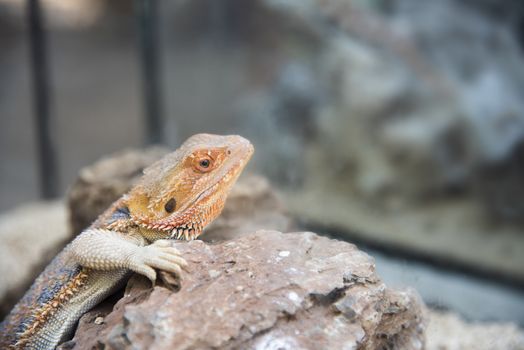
{"type": "Point", "coordinates": [265, 290]}
{"type": "Point", "coordinates": [252, 204]}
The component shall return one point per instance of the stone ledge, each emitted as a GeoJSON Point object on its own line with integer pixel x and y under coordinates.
{"type": "Point", "coordinates": [262, 290]}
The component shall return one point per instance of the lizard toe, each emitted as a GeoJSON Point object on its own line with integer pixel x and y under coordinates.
{"type": "Point", "coordinates": [170, 250]}
{"type": "Point", "coordinates": [162, 243]}
{"type": "Point", "coordinates": [165, 265]}
{"type": "Point", "coordinates": [174, 259]}
{"type": "Point", "coordinates": [147, 271]}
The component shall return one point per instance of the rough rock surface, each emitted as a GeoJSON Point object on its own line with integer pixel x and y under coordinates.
{"type": "Point", "coordinates": [265, 290]}
{"type": "Point", "coordinates": [30, 236]}
{"type": "Point", "coordinates": [251, 205]}
{"type": "Point", "coordinates": [268, 320]}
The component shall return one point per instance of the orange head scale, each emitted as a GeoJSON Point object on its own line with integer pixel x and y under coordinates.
{"type": "Point", "coordinates": [184, 191]}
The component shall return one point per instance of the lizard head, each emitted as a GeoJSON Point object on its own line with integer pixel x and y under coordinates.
{"type": "Point", "coordinates": [184, 191]}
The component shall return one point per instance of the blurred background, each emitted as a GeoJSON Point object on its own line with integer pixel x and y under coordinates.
{"type": "Point", "coordinates": [394, 124]}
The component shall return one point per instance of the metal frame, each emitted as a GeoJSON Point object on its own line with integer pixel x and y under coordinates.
{"type": "Point", "coordinates": [149, 47]}
{"type": "Point", "coordinates": [47, 161]}
{"type": "Point", "coordinates": [148, 27]}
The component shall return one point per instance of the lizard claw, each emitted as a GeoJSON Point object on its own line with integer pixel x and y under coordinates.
{"type": "Point", "coordinates": [159, 255]}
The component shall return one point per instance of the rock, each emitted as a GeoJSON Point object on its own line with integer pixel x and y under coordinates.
{"type": "Point", "coordinates": [500, 186]}
{"type": "Point", "coordinates": [265, 290]}
{"type": "Point", "coordinates": [447, 331]}
{"type": "Point", "coordinates": [31, 235]}
{"type": "Point", "coordinates": [251, 205]}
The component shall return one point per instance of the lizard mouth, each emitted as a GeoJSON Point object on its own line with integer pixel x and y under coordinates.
{"type": "Point", "coordinates": [204, 213]}
{"type": "Point", "coordinates": [203, 216]}
{"type": "Point", "coordinates": [187, 232]}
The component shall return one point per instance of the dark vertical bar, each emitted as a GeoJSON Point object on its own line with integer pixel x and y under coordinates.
{"type": "Point", "coordinates": [41, 101]}
{"type": "Point", "coordinates": [148, 24]}
{"type": "Point", "coordinates": [218, 11]}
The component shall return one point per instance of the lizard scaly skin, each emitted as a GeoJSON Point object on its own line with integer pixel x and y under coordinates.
{"type": "Point", "coordinates": [175, 199]}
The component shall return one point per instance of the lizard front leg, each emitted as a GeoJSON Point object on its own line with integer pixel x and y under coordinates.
{"type": "Point", "coordinates": [109, 250]}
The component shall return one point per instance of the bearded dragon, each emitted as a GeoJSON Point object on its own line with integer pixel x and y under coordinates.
{"type": "Point", "coordinates": [175, 199]}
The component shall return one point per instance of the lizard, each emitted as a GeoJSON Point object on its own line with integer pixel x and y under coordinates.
{"type": "Point", "coordinates": [175, 199]}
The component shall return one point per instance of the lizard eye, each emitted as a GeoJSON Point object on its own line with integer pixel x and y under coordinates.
{"type": "Point", "coordinates": [170, 205]}
{"type": "Point", "coordinates": [204, 164]}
